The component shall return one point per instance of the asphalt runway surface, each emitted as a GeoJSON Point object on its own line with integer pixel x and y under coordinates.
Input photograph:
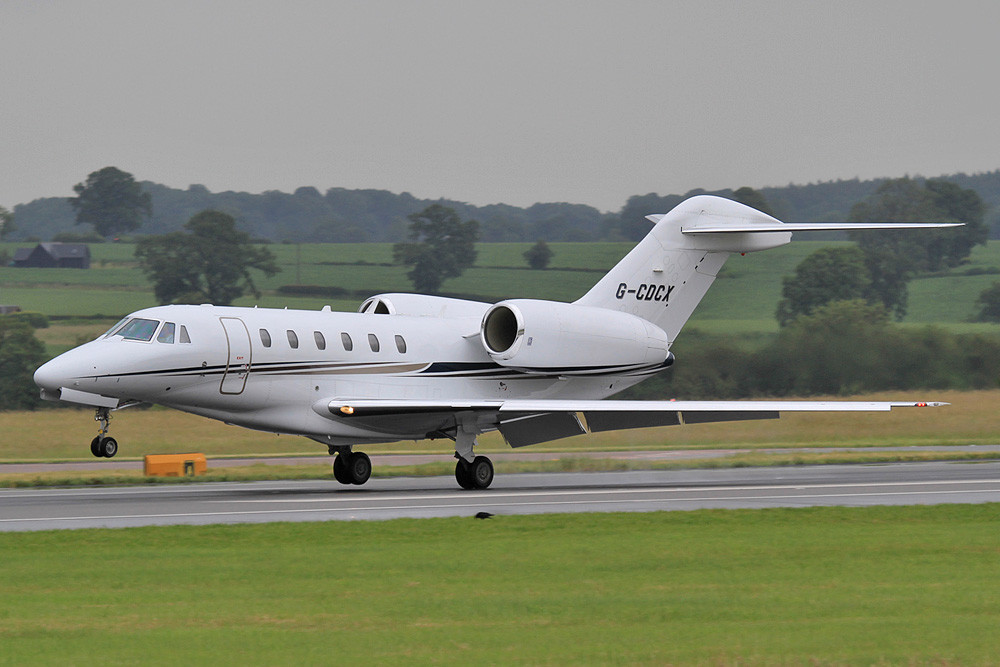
{"type": "Point", "coordinates": [536, 493]}
{"type": "Point", "coordinates": [378, 460]}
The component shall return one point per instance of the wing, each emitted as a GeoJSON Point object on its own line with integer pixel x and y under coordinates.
{"type": "Point", "coordinates": [530, 421]}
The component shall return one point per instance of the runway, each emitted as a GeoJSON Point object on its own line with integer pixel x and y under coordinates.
{"type": "Point", "coordinates": [380, 499]}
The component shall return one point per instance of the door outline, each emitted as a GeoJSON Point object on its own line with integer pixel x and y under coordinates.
{"type": "Point", "coordinates": [239, 356]}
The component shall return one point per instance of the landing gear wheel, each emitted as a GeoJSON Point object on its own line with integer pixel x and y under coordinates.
{"type": "Point", "coordinates": [463, 474]}
{"type": "Point", "coordinates": [95, 447]}
{"type": "Point", "coordinates": [108, 447]}
{"type": "Point", "coordinates": [340, 469]}
{"type": "Point", "coordinates": [481, 472]}
{"type": "Point", "coordinates": [475, 475]}
{"type": "Point", "coordinates": [359, 468]}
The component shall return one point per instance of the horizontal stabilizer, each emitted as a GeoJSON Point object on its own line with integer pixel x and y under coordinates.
{"type": "Point", "coordinates": [812, 227]}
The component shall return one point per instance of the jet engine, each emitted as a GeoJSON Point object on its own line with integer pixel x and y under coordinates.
{"type": "Point", "coordinates": [549, 336]}
{"type": "Point", "coordinates": [423, 305]}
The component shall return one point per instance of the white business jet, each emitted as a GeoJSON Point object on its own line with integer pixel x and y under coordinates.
{"type": "Point", "coordinates": [411, 366]}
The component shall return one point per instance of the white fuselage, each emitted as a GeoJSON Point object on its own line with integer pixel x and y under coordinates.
{"type": "Point", "coordinates": [278, 370]}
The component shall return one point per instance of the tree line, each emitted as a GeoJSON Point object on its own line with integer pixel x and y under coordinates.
{"type": "Point", "coordinates": [342, 215]}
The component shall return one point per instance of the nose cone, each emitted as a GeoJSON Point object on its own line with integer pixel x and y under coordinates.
{"type": "Point", "coordinates": [49, 376]}
{"type": "Point", "coordinates": [66, 370]}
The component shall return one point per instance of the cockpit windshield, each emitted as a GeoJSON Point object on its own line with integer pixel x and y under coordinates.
{"type": "Point", "coordinates": [138, 328]}
{"type": "Point", "coordinates": [142, 329]}
{"type": "Point", "coordinates": [113, 330]}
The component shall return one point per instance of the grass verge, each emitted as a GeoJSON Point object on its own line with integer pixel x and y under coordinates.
{"type": "Point", "coordinates": [886, 585]}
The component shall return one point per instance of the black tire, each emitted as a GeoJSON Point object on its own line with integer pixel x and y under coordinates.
{"type": "Point", "coordinates": [95, 447]}
{"type": "Point", "coordinates": [481, 472]}
{"type": "Point", "coordinates": [463, 474]}
{"type": "Point", "coordinates": [359, 468]}
{"type": "Point", "coordinates": [108, 447]}
{"type": "Point", "coordinates": [340, 469]}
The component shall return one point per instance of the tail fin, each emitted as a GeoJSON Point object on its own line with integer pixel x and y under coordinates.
{"type": "Point", "coordinates": [668, 273]}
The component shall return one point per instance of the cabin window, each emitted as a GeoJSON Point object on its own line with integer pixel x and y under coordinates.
{"type": "Point", "coordinates": [345, 338]}
{"type": "Point", "coordinates": [139, 329]}
{"type": "Point", "coordinates": [400, 344]}
{"type": "Point", "coordinates": [320, 340]}
{"type": "Point", "coordinates": [373, 342]}
{"type": "Point", "coordinates": [166, 334]}
{"type": "Point", "coordinates": [265, 338]}
{"type": "Point", "coordinates": [293, 340]}
{"type": "Point", "coordinates": [184, 335]}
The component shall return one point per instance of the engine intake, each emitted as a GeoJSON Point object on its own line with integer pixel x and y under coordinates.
{"type": "Point", "coordinates": [501, 329]}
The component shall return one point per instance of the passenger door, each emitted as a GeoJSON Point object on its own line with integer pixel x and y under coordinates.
{"type": "Point", "coordinates": [238, 362]}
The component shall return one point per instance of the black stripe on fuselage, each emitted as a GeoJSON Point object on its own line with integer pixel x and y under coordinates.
{"type": "Point", "coordinates": [469, 370]}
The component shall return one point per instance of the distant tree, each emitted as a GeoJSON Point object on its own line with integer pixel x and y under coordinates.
{"type": "Point", "coordinates": [753, 199]}
{"type": "Point", "coordinates": [990, 300]}
{"type": "Point", "coordinates": [829, 274]}
{"type": "Point", "coordinates": [538, 255]}
{"type": "Point", "coordinates": [6, 223]}
{"type": "Point", "coordinates": [111, 201]}
{"type": "Point", "coordinates": [20, 354]}
{"type": "Point", "coordinates": [210, 262]}
{"type": "Point", "coordinates": [951, 247]}
{"type": "Point", "coordinates": [894, 257]}
{"type": "Point", "coordinates": [835, 350]}
{"type": "Point", "coordinates": [442, 247]}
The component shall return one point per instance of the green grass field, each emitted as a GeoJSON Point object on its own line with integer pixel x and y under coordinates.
{"type": "Point", "coordinates": [798, 586]}
{"type": "Point", "coordinates": [742, 301]}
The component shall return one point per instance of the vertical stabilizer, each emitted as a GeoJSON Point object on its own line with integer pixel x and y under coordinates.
{"type": "Point", "coordinates": [668, 273]}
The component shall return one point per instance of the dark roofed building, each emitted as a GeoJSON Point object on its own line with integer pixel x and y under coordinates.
{"type": "Point", "coordinates": [54, 255]}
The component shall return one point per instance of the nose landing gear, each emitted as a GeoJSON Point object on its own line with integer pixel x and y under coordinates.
{"type": "Point", "coordinates": [103, 446]}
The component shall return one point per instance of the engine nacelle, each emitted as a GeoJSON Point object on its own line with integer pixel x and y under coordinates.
{"type": "Point", "coordinates": [549, 336]}
{"type": "Point", "coordinates": [422, 305]}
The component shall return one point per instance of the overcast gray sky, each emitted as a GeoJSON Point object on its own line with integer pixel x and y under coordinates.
{"type": "Point", "coordinates": [485, 102]}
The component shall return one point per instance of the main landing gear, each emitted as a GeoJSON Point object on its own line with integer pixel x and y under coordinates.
{"type": "Point", "coordinates": [351, 467]}
{"type": "Point", "coordinates": [475, 475]}
{"type": "Point", "coordinates": [471, 471]}
{"type": "Point", "coordinates": [103, 446]}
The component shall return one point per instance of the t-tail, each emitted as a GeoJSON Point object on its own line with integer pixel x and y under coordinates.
{"type": "Point", "coordinates": [667, 274]}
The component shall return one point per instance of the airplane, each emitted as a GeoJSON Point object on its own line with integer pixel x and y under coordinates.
{"type": "Point", "coordinates": [413, 366]}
